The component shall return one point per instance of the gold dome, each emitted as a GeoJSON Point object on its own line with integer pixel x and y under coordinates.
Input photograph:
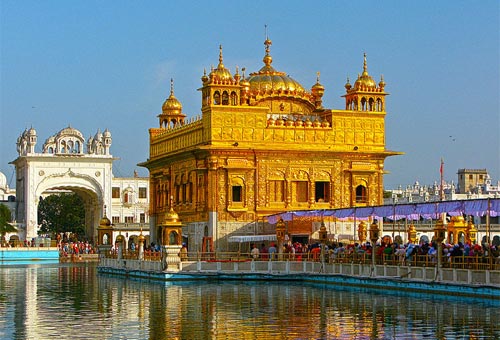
{"type": "Point", "coordinates": [105, 222]}
{"type": "Point", "coordinates": [172, 104]}
{"type": "Point", "coordinates": [365, 81]}
{"type": "Point", "coordinates": [171, 216]}
{"type": "Point", "coordinates": [221, 73]}
{"type": "Point", "coordinates": [268, 80]}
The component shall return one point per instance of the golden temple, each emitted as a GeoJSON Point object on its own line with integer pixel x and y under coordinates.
{"type": "Point", "coordinates": [264, 144]}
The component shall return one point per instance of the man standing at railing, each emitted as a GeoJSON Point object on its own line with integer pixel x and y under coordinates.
{"type": "Point", "coordinates": [254, 252]}
{"type": "Point", "coordinates": [272, 250]}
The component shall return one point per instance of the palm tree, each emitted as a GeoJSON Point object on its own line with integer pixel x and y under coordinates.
{"type": "Point", "coordinates": [5, 226]}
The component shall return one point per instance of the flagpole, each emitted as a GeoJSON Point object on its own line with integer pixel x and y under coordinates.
{"type": "Point", "coordinates": [441, 189]}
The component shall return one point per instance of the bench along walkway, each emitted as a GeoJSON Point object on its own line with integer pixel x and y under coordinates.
{"type": "Point", "coordinates": [454, 281]}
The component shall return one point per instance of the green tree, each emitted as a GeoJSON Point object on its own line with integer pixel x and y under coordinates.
{"type": "Point", "coordinates": [62, 213]}
{"type": "Point", "coordinates": [5, 226]}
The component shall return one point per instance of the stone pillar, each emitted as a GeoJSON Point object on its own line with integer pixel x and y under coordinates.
{"type": "Point", "coordinates": [171, 256]}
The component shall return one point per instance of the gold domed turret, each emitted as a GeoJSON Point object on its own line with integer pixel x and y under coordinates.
{"type": "Point", "coordinates": [381, 83]}
{"type": "Point", "coordinates": [348, 85]}
{"type": "Point", "coordinates": [172, 104]}
{"type": "Point", "coordinates": [171, 115]}
{"type": "Point", "coordinates": [318, 91]}
{"type": "Point", "coordinates": [221, 73]}
{"type": "Point", "coordinates": [171, 216]}
{"type": "Point", "coordinates": [365, 81]}
{"type": "Point", "coordinates": [105, 222]}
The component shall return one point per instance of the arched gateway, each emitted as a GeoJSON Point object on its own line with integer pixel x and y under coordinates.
{"type": "Point", "coordinates": [62, 166]}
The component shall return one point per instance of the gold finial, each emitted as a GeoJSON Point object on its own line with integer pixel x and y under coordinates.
{"type": "Point", "coordinates": [237, 70]}
{"type": "Point", "coordinates": [243, 69]}
{"type": "Point", "coordinates": [171, 86]}
{"type": "Point", "coordinates": [220, 55]}
{"type": "Point", "coordinates": [365, 67]}
{"type": "Point", "coordinates": [267, 42]}
{"type": "Point", "coordinates": [317, 77]}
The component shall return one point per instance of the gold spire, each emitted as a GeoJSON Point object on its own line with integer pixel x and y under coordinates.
{"type": "Point", "coordinates": [365, 66]}
{"type": "Point", "coordinates": [221, 65]}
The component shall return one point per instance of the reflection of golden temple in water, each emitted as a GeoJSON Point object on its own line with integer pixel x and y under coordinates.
{"type": "Point", "coordinates": [278, 311]}
{"type": "Point", "coordinates": [262, 145]}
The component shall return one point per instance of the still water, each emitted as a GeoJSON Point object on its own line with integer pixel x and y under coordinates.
{"type": "Point", "coordinates": [73, 301]}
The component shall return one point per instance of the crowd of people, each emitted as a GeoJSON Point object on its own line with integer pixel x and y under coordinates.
{"type": "Point", "coordinates": [388, 252]}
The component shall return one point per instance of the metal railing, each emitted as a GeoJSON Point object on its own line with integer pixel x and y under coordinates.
{"type": "Point", "coordinates": [475, 262]}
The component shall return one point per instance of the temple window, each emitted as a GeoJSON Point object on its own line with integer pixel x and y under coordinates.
{"type": "Point", "coordinates": [115, 219]}
{"type": "Point", "coordinates": [129, 219]}
{"type": "Point", "coordinates": [234, 99]}
{"type": "Point", "coordinates": [184, 193]}
{"type": "Point", "coordinates": [142, 218]}
{"type": "Point", "coordinates": [143, 193]}
{"type": "Point", "coordinates": [115, 192]}
{"type": "Point", "coordinates": [371, 104]}
{"type": "Point", "coordinates": [361, 194]}
{"type": "Point", "coordinates": [217, 98]}
{"type": "Point", "coordinates": [177, 193]}
{"type": "Point", "coordinates": [237, 193]}
{"type": "Point", "coordinates": [322, 191]}
{"type": "Point", "coordinates": [301, 190]}
{"type": "Point", "coordinates": [225, 98]}
{"type": "Point", "coordinates": [277, 191]}
{"type": "Point", "coordinates": [190, 188]}
{"type": "Point", "coordinates": [379, 105]}
{"type": "Point", "coordinates": [363, 104]}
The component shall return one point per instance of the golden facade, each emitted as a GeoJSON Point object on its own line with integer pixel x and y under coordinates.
{"type": "Point", "coordinates": [264, 144]}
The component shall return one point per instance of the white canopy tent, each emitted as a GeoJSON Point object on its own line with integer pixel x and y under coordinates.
{"type": "Point", "coordinates": [252, 238]}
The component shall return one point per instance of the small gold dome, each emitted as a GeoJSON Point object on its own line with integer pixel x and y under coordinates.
{"type": "Point", "coordinates": [171, 216]}
{"type": "Point", "coordinates": [221, 73]}
{"type": "Point", "coordinates": [171, 104]}
{"type": "Point", "coordinates": [105, 222]}
{"type": "Point", "coordinates": [365, 81]}
{"type": "Point", "coordinates": [348, 85]}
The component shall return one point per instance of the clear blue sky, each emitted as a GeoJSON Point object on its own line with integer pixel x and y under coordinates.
{"type": "Point", "coordinates": [107, 64]}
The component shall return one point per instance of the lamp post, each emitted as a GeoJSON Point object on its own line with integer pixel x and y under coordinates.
{"type": "Point", "coordinates": [322, 238]}
{"type": "Point", "coordinates": [412, 234]}
{"type": "Point", "coordinates": [471, 232]}
{"type": "Point", "coordinates": [280, 236]}
{"type": "Point", "coordinates": [374, 234]}
{"type": "Point", "coordinates": [439, 236]}
{"type": "Point", "coordinates": [362, 232]}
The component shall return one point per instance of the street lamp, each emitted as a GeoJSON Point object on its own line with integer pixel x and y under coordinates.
{"type": "Point", "coordinates": [280, 236]}
{"type": "Point", "coordinates": [374, 235]}
{"type": "Point", "coordinates": [362, 232]}
{"type": "Point", "coordinates": [323, 238]}
{"type": "Point", "coordinates": [471, 232]}
{"type": "Point", "coordinates": [412, 234]}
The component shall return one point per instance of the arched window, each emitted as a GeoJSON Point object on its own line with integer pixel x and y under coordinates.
{"type": "Point", "coordinates": [379, 105]}
{"type": "Point", "coordinates": [361, 194]}
{"type": "Point", "coordinates": [225, 98]}
{"type": "Point", "coordinates": [77, 147]}
{"type": "Point", "coordinates": [363, 104]}
{"type": "Point", "coordinates": [217, 98]}
{"type": "Point", "coordinates": [234, 99]}
{"type": "Point", "coordinates": [371, 104]}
